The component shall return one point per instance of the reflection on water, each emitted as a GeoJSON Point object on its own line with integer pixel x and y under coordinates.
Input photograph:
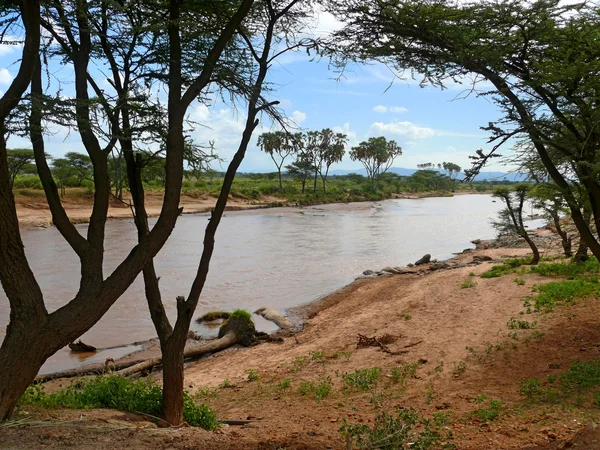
{"type": "Point", "coordinates": [278, 258]}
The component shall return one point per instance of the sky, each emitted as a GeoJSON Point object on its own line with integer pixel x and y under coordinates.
{"type": "Point", "coordinates": [429, 124]}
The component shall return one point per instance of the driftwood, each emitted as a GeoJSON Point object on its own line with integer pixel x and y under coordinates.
{"type": "Point", "coordinates": [191, 352]}
{"type": "Point", "coordinates": [275, 317]}
{"type": "Point", "coordinates": [81, 347]}
{"type": "Point", "coordinates": [139, 365]}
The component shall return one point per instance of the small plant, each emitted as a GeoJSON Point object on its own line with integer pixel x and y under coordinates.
{"type": "Point", "coordinates": [298, 363]}
{"type": "Point", "coordinates": [468, 284]}
{"type": "Point", "coordinates": [319, 356]}
{"type": "Point", "coordinates": [459, 368]}
{"type": "Point", "coordinates": [323, 388]}
{"type": "Point", "coordinates": [225, 384]}
{"type": "Point", "coordinates": [362, 379]}
{"type": "Point", "coordinates": [306, 387]}
{"type": "Point", "coordinates": [252, 374]}
{"type": "Point", "coordinates": [406, 316]}
{"type": "Point", "coordinates": [406, 371]}
{"type": "Point", "coordinates": [519, 281]}
{"type": "Point", "coordinates": [530, 388]}
{"type": "Point", "coordinates": [430, 396]}
{"type": "Point", "coordinates": [471, 274]}
{"type": "Point", "coordinates": [493, 411]}
{"type": "Point", "coordinates": [402, 430]}
{"type": "Point", "coordinates": [480, 399]}
{"type": "Point", "coordinates": [537, 335]}
{"type": "Point", "coordinates": [284, 384]}
{"type": "Point", "coordinates": [515, 324]}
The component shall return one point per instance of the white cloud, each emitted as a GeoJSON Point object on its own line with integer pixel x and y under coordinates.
{"type": "Point", "coordinates": [298, 117]}
{"type": "Point", "coordinates": [398, 109]}
{"type": "Point", "coordinates": [392, 109]}
{"type": "Point", "coordinates": [406, 129]}
{"type": "Point", "coordinates": [5, 76]}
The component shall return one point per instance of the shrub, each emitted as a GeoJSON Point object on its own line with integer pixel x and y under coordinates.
{"type": "Point", "coordinates": [141, 396]}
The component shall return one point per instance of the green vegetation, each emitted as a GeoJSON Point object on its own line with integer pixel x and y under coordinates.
{"type": "Point", "coordinates": [508, 266]}
{"type": "Point", "coordinates": [519, 281]}
{"type": "Point", "coordinates": [142, 396]}
{"type": "Point", "coordinates": [284, 384]}
{"type": "Point", "coordinates": [252, 375]}
{"type": "Point", "coordinates": [320, 390]}
{"type": "Point", "coordinates": [561, 292]}
{"type": "Point", "coordinates": [406, 371]}
{"type": "Point", "coordinates": [492, 412]}
{"type": "Point", "coordinates": [402, 429]}
{"type": "Point", "coordinates": [468, 284]}
{"type": "Point", "coordinates": [515, 324]}
{"type": "Point", "coordinates": [578, 385]}
{"type": "Point", "coordinates": [362, 379]}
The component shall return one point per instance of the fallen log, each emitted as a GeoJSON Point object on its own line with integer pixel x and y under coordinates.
{"type": "Point", "coordinates": [92, 369]}
{"type": "Point", "coordinates": [81, 347]}
{"type": "Point", "coordinates": [191, 352]}
{"type": "Point", "coordinates": [275, 317]}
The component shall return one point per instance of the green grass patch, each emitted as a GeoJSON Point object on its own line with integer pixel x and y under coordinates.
{"type": "Point", "coordinates": [362, 379]}
{"type": "Point", "coordinates": [508, 266]}
{"type": "Point", "coordinates": [580, 384]}
{"type": "Point", "coordinates": [571, 271]}
{"type": "Point", "coordinates": [492, 412]}
{"type": "Point", "coordinates": [564, 292]}
{"type": "Point", "coordinates": [141, 396]}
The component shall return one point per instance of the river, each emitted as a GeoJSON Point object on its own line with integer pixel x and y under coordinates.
{"type": "Point", "coordinates": [279, 257]}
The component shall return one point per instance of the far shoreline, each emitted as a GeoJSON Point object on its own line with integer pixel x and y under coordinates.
{"type": "Point", "coordinates": [33, 212]}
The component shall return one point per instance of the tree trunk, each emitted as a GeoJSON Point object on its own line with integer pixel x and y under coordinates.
{"type": "Point", "coordinates": [315, 185]}
{"type": "Point", "coordinates": [280, 184]}
{"type": "Point", "coordinates": [20, 362]}
{"type": "Point", "coordinates": [581, 254]}
{"type": "Point", "coordinates": [534, 249]}
{"type": "Point", "coordinates": [173, 380]}
{"type": "Point", "coordinates": [565, 239]}
{"type": "Point", "coordinates": [303, 184]}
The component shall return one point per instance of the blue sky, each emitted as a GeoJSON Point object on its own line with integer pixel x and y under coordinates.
{"type": "Point", "coordinates": [430, 125]}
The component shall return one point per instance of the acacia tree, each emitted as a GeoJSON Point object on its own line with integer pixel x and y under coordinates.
{"type": "Point", "coordinates": [332, 153]}
{"type": "Point", "coordinates": [511, 217]}
{"type": "Point", "coordinates": [301, 170]}
{"type": "Point", "coordinates": [541, 57]}
{"type": "Point", "coordinates": [377, 155]}
{"type": "Point", "coordinates": [17, 160]}
{"type": "Point", "coordinates": [278, 145]}
{"type": "Point", "coordinates": [30, 320]}
{"type": "Point", "coordinates": [452, 170]}
{"type": "Point", "coordinates": [323, 148]}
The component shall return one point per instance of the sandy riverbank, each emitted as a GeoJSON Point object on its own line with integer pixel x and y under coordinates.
{"type": "Point", "coordinates": [457, 337]}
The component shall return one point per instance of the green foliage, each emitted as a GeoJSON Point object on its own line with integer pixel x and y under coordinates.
{"type": "Point", "coordinates": [252, 374]}
{"type": "Point", "coordinates": [142, 396]}
{"type": "Point", "coordinates": [362, 379]}
{"type": "Point", "coordinates": [403, 372]}
{"type": "Point", "coordinates": [298, 363]}
{"type": "Point", "coordinates": [506, 267]}
{"type": "Point", "coordinates": [404, 429]}
{"type": "Point", "coordinates": [284, 384]}
{"type": "Point", "coordinates": [468, 284]}
{"type": "Point", "coordinates": [515, 324]}
{"type": "Point", "coordinates": [574, 385]}
{"type": "Point", "coordinates": [560, 292]}
{"type": "Point", "coordinates": [519, 281]}
{"type": "Point", "coordinates": [377, 155]}
{"type": "Point", "coordinates": [492, 412]}
{"type": "Point", "coordinates": [571, 271]}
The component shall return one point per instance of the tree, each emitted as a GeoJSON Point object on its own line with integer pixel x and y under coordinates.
{"type": "Point", "coordinates": [377, 155]}
{"type": "Point", "coordinates": [62, 171]}
{"type": "Point", "coordinates": [548, 198]}
{"type": "Point", "coordinates": [539, 56]}
{"type": "Point", "coordinates": [331, 153]}
{"type": "Point", "coordinates": [278, 145]}
{"type": "Point", "coordinates": [452, 170]}
{"type": "Point", "coordinates": [18, 159]}
{"type": "Point", "coordinates": [30, 320]}
{"type": "Point", "coordinates": [511, 218]}
{"type": "Point", "coordinates": [428, 180]}
{"type": "Point", "coordinates": [300, 170]}
{"type": "Point", "coordinates": [82, 164]}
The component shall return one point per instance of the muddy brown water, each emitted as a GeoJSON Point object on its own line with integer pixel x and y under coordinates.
{"type": "Point", "coordinates": [280, 258]}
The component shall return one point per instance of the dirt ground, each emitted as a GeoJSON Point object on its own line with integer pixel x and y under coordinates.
{"type": "Point", "coordinates": [458, 336]}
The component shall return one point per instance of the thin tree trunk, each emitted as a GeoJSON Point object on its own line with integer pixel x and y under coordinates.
{"type": "Point", "coordinates": [534, 249]}
{"type": "Point", "coordinates": [280, 184]}
{"type": "Point", "coordinates": [565, 239]}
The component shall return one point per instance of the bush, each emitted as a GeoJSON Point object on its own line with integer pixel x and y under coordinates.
{"type": "Point", "coordinates": [142, 396]}
{"type": "Point", "coordinates": [27, 182]}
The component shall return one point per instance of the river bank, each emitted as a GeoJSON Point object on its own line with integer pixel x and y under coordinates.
{"type": "Point", "coordinates": [33, 211]}
{"type": "Point", "coordinates": [449, 351]}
